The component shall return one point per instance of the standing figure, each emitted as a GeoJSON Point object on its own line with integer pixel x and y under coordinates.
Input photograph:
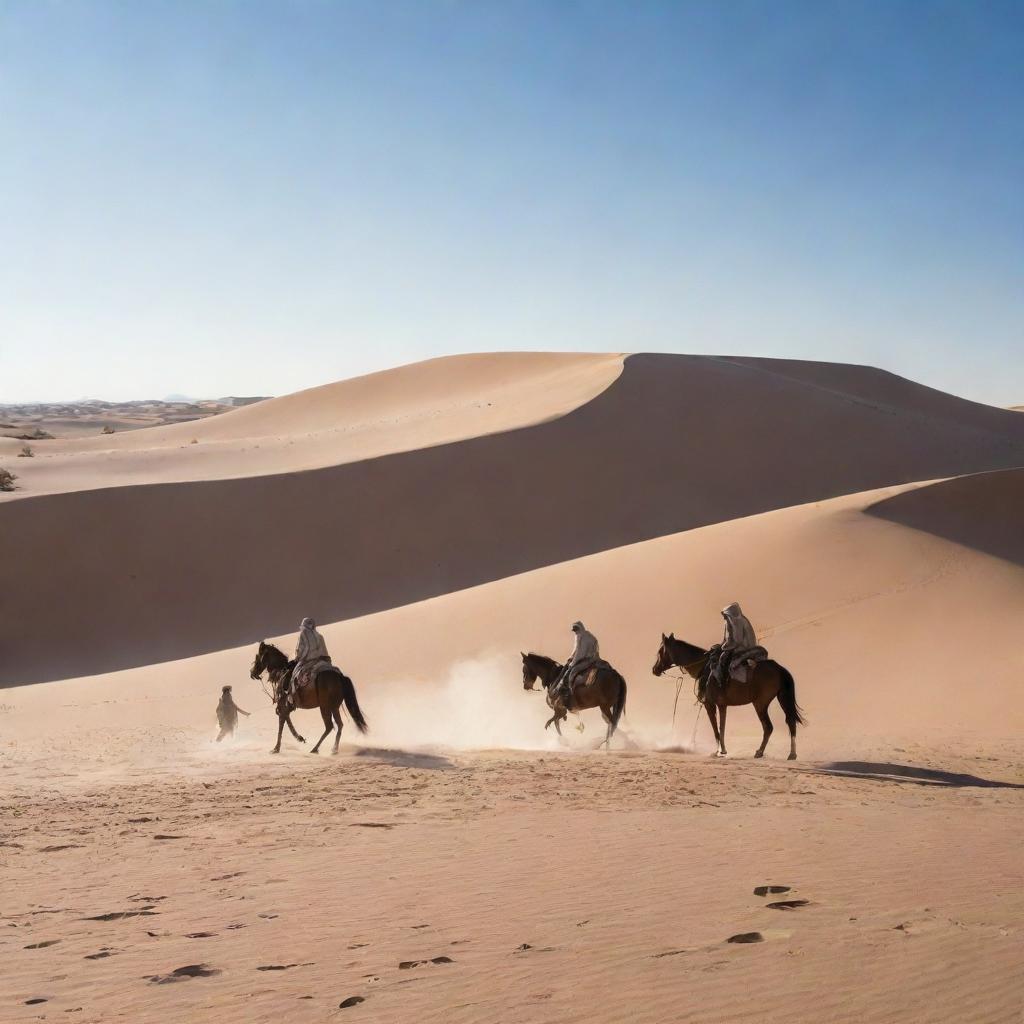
{"type": "Point", "coordinates": [227, 713]}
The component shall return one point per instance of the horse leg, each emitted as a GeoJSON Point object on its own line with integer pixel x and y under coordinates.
{"type": "Point", "coordinates": [280, 729]}
{"type": "Point", "coordinates": [766, 724]}
{"type": "Point", "coordinates": [288, 719]}
{"type": "Point", "coordinates": [713, 717]}
{"type": "Point", "coordinates": [721, 710]}
{"type": "Point", "coordinates": [559, 715]}
{"type": "Point", "coordinates": [336, 712]}
{"type": "Point", "coordinates": [328, 729]}
{"type": "Point", "coordinates": [606, 714]}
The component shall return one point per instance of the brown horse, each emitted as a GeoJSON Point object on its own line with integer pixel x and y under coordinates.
{"type": "Point", "coordinates": [767, 681]}
{"type": "Point", "coordinates": [329, 689]}
{"type": "Point", "coordinates": [602, 687]}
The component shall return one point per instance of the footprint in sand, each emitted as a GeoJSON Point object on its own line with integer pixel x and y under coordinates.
{"type": "Point", "coordinates": [183, 974]}
{"type": "Point", "coordinates": [200, 935]}
{"type": "Point", "coordinates": [35, 1002]}
{"type": "Point", "coordinates": [406, 965]}
{"type": "Point", "coordinates": [788, 904]}
{"type": "Point", "coordinates": [102, 954]}
{"type": "Point", "coordinates": [351, 1001]}
{"type": "Point", "coordinates": [771, 890]}
{"type": "Point", "coordinates": [43, 945]}
{"type": "Point", "coordinates": [121, 915]}
{"type": "Point", "coordinates": [745, 937]}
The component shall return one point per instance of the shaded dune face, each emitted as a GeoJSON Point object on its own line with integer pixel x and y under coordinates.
{"type": "Point", "coordinates": [983, 512]}
{"type": "Point", "coordinates": [106, 579]}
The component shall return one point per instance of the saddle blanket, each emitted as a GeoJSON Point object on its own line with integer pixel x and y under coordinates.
{"type": "Point", "coordinates": [744, 662]}
{"type": "Point", "coordinates": [303, 675]}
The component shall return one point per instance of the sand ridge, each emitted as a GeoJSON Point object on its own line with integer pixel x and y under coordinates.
{"type": "Point", "coordinates": [657, 452]}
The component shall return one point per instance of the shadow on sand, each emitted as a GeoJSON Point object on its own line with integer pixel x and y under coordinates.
{"type": "Point", "coordinates": [884, 772]}
{"type": "Point", "coordinates": [406, 759]}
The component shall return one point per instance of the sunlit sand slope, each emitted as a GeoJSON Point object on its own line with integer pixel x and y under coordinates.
{"type": "Point", "coordinates": [102, 579]}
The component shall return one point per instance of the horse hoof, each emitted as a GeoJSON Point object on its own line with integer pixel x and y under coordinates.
{"type": "Point", "coordinates": [792, 757]}
{"type": "Point", "coordinates": [302, 739]}
{"type": "Point", "coordinates": [758, 753]}
{"type": "Point", "coordinates": [314, 751]}
{"type": "Point", "coordinates": [276, 750]}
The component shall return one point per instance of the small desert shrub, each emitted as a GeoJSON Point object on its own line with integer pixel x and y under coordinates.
{"type": "Point", "coordinates": [7, 479]}
{"type": "Point", "coordinates": [108, 429]}
{"type": "Point", "coordinates": [26, 452]}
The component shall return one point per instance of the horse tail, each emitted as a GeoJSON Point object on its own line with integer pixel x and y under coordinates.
{"type": "Point", "coordinates": [348, 694]}
{"type": "Point", "coordinates": [619, 707]}
{"type": "Point", "coordinates": [787, 698]}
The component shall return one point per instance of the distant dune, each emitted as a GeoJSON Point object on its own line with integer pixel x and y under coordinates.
{"type": "Point", "coordinates": [144, 573]}
{"type": "Point", "coordinates": [58, 421]}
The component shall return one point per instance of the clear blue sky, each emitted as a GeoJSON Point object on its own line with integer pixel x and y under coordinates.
{"type": "Point", "coordinates": [253, 197]}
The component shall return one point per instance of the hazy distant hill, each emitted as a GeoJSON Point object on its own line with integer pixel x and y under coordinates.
{"type": "Point", "coordinates": [85, 417]}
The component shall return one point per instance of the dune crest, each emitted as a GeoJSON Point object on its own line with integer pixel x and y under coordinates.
{"type": "Point", "coordinates": [437, 402]}
{"type": "Point", "coordinates": [676, 442]}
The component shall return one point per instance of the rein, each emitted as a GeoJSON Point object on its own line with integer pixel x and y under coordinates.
{"type": "Point", "coordinates": [679, 689]}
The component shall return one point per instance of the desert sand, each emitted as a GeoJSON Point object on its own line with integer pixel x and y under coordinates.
{"type": "Point", "coordinates": [458, 863]}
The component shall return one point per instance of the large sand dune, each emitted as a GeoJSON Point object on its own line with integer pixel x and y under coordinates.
{"type": "Point", "coordinates": [459, 864]}
{"type": "Point", "coordinates": [435, 402]}
{"type": "Point", "coordinates": [674, 443]}
{"type": "Point", "coordinates": [882, 624]}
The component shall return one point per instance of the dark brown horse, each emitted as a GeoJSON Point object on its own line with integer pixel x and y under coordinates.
{"type": "Point", "coordinates": [329, 688]}
{"type": "Point", "coordinates": [767, 681]}
{"type": "Point", "coordinates": [602, 687]}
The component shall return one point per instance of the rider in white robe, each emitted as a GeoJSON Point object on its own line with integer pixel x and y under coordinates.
{"type": "Point", "coordinates": [585, 654]}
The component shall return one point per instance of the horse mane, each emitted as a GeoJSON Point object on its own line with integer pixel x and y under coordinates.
{"type": "Point", "coordinates": [689, 651]}
{"type": "Point", "coordinates": [543, 659]}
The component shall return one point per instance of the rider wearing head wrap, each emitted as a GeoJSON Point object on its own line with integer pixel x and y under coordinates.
{"type": "Point", "coordinates": [310, 649]}
{"type": "Point", "coordinates": [739, 633]}
{"type": "Point", "coordinates": [738, 641]}
{"type": "Point", "coordinates": [585, 654]}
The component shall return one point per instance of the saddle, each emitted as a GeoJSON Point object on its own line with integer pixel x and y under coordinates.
{"type": "Point", "coordinates": [589, 674]}
{"type": "Point", "coordinates": [585, 678]}
{"type": "Point", "coordinates": [306, 675]}
{"type": "Point", "coordinates": [741, 665]}
{"type": "Point", "coordinates": [744, 662]}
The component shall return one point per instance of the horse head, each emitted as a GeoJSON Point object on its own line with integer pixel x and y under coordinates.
{"type": "Point", "coordinates": [664, 661]}
{"type": "Point", "coordinates": [529, 672]}
{"type": "Point", "coordinates": [257, 665]}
